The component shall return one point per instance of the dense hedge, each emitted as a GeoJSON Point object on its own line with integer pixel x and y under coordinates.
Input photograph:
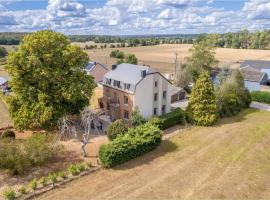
{"type": "Point", "coordinates": [173, 118]}
{"type": "Point", "coordinates": [261, 96]}
{"type": "Point", "coordinates": [117, 128]}
{"type": "Point", "coordinates": [137, 141]}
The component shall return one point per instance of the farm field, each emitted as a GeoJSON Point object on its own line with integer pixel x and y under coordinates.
{"type": "Point", "coordinates": [161, 57]}
{"type": "Point", "coordinates": [228, 161]}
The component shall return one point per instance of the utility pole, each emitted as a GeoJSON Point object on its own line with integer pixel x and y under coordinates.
{"type": "Point", "coordinates": [175, 63]}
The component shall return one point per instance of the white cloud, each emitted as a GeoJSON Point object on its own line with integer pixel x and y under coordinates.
{"type": "Point", "coordinates": [137, 17]}
{"type": "Point", "coordinates": [257, 9]}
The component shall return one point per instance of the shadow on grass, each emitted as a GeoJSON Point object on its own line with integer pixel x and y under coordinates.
{"type": "Point", "coordinates": [237, 118]}
{"type": "Point", "coordinates": [166, 146]}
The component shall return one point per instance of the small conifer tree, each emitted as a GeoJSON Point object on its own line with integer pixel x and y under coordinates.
{"type": "Point", "coordinates": [202, 108]}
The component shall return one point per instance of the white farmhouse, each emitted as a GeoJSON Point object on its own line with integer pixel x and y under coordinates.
{"type": "Point", "coordinates": [127, 86]}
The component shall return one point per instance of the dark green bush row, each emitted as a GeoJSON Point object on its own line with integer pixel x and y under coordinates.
{"type": "Point", "coordinates": [137, 141]}
{"type": "Point", "coordinates": [168, 120]}
{"type": "Point", "coordinates": [261, 96]}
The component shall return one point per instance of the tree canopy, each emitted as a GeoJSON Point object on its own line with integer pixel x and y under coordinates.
{"type": "Point", "coordinates": [202, 58]}
{"type": "Point", "coordinates": [47, 79]}
{"type": "Point", "coordinates": [232, 96]}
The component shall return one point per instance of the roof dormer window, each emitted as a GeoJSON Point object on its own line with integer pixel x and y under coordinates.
{"type": "Point", "coordinates": [126, 86]}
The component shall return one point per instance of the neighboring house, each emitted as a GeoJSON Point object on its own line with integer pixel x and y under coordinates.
{"type": "Point", "coordinates": [256, 74]}
{"type": "Point", "coordinates": [97, 70]}
{"type": "Point", "coordinates": [177, 94]}
{"type": "Point", "coordinates": [128, 86]}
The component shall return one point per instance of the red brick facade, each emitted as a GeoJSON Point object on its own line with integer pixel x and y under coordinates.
{"type": "Point", "coordinates": [118, 103]}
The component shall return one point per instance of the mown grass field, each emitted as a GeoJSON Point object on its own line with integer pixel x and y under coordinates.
{"type": "Point", "coordinates": [228, 161]}
{"type": "Point", "coordinates": [161, 57]}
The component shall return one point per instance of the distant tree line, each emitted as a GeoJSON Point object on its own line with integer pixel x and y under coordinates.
{"type": "Point", "coordinates": [239, 40]}
{"type": "Point", "coordinates": [11, 38]}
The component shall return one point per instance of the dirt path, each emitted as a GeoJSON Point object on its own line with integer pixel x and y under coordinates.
{"type": "Point", "coordinates": [229, 161]}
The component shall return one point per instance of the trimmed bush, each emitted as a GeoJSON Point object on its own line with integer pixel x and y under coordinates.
{"type": "Point", "coordinates": [53, 178]}
{"type": "Point", "coordinates": [34, 184]}
{"type": "Point", "coordinates": [137, 141]}
{"type": "Point", "coordinates": [9, 194]}
{"type": "Point", "coordinates": [73, 169]}
{"type": "Point", "coordinates": [171, 119]}
{"type": "Point", "coordinates": [8, 134]}
{"type": "Point", "coordinates": [22, 190]}
{"type": "Point", "coordinates": [43, 181]}
{"type": "Point", "coordinates": [62, 175]}
{"type": "Point", "coordinates": [261, 96]}
{"type": "Point", "coordinates": [81, 167]}
{"type": "Point", "coordinates": [116, 128]}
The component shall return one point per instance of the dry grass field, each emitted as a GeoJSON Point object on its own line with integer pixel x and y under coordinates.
{"type": "Point", "coordinates": [228, 161]}
{"type": "Point", "coordinates": [162, 57]}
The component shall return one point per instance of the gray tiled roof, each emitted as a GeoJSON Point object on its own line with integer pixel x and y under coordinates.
{"type": "Point", "coordinates": [90, 66]}
{"type": "Point", "coordinates": [256, 64]}
{"type": "Point", "coordinates": [128, 73]}
{"type": "Point", "coordinates": [251, 74]}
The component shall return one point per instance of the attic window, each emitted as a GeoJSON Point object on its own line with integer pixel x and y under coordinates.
{"type": "Point", "coordinates": [108, 81]}
{"type": "Point", "coordinates": [116, 84]}
{"type": "Point", "coordinates": [126, 86]}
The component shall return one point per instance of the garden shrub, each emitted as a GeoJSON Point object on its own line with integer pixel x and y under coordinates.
{"type": "Point", "coordinates": [8, 134]}
{"type": "Point", "coordinates": [137, 141]}
{"type": "Point", "coordinates": [117, 128]}
{"type": "Point", "coordinates": [232, 96]}
{"type": "Point", "coordinates": [53, 178]}
{"type": "Point", "coordinates": [13, 158]}
{"type": "Point", "coordinates": [73, 169]}
{"type": "Point", "coordinates": [62, 175]}
{"type": "Point", "coordinates": [22, 190]}
{"type": "Point", "coordinates": [261, 96]}
{"type": "Point", "coordinates": [81, 167]}
{"type": "Point", "coordinates": [18, 156]}
{"type": "Point", "coordinates": [43, 181]}
{"type": "Point", "coordinates": [9, 194]}
{"type": "Point", "coordinates": [34, 184]}
{"type": "Point", "coordinates": [136, 118]}
{"type": "Point", "coordinates": [173, 118]}
{"type": "Point", "coordinates": [40, 149]}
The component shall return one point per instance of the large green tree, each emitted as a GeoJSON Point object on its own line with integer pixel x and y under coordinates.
{"type": "Point", "coordinates": [47, 80]}
{"type": "Point", "coordinates": [202, 58]}
{"type": "Point", "coordinates": [202, 108]}
{"type": "Point", "coordinates": [232, 96]}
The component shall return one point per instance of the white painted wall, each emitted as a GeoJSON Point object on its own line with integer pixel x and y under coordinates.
{"type": "Point", "coordinates": [144, 95]}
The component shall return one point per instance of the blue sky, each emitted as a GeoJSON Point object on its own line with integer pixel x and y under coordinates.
{"type": "Point", "coordinates": [121, 17]}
